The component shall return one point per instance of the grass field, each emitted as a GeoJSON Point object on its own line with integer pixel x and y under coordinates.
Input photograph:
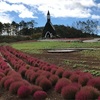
{"type": "Point", "coordinates": [36, 47]}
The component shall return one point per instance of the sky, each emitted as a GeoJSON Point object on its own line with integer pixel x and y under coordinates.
{"type": "Point", "coordinates": [62, 12]}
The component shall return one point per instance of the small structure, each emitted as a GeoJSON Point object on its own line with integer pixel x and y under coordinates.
{"type": "Point", "coordinates": [49, 30]}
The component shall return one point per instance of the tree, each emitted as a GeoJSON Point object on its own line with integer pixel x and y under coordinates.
{"type": "Point", "coordinates": [1, 28]}
{"type": "Point", "coordinates": [89, 26]}
{"type": "Point", "coordinates": [14, 28]}
{"type": "Point", "coordinates": [7, 28]}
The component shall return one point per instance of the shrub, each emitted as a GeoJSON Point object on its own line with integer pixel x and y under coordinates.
{"type": "Point", "coordinates": [2, 74]}
{"type": "Point", "coordinates": [53, 70]}
{"type": "Point", "coordinates": [46, 73]}
{"type": "Point", "coordinates": [59, 72]}
{"type": "Point", "coordinates": [84, 79]}
{"type": "Point", "coordinates": [23, 91]}
{"type": "Point", "coordinates": [15, 86]}
{"type": "Point", "coordinates": [99, 98]}
{"type": "Point", "coordinates": [87, 93]}
{"type": "Point", "coordinates": [35, 88]}
{"type": "Point", "coordinates": [3, 80]}
{"type": "Point", "coordinates": [39, 78]}
{"type": "Point", "coordinates": [61, 83]}
{"type": "Point", "coordinates": [40, 95]}
{"type": "Point", "coordinates": [22, 71]}
{"type": "Point", "coordinates": [33, 77]}
{"type": "Point", "coordinates": [69, 92]}
{"type": "Point", "coordinates": [45, 84]}
{"type": "Point", "coordinates": [53, 79]}
{"type": "Point", "coordinates": [8, 82]}
{"type": "Point", "coordinates": [0, 78]}
{"type": "Point", "coordinates": [67, 74]}
{"type": "Point", "coordinates": [74, 77]}
{"type": "Point", "coordinates": [95, 82]}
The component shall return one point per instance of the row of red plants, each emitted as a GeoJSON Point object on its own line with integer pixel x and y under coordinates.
{"type": "Point", "coordinates": [70, 84]}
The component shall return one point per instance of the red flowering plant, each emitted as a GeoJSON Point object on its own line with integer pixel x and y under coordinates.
{"type": "Point", "coordinates": [67, 73]}
{"type": "Point", "coordinates": [39, 95]}
{"type": "Point", "coordinates": [59, 72]}
{"type": "Point", "coordinates": [35, 88]}
{"type": "Point", "coordinates": [95, 82]}
{"type": "Point", "coordinates": [45, 84]}
{"type": "Point", "coordinates": [83, 79]}
{"type": "Point", "coordinates": [87, 93]}
{"type": "Point", "coordinates": [69, 92]}
{"type": "Point", "coordinates": [74, 77]}
{"type": "Point", "coordinates": [23, 91]}
{"type": "Point", "coordinates": [15, 86]}
{"type": "Point", "coordinates": [61, 83]}
{"type": "Point", "coordinates": [53, 79]}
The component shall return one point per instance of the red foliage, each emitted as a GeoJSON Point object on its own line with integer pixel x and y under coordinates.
{"type": "Point", "coordinates": [23, 91]}
{"type": "Point", "coordinates": [35, 88]}
{"type": "Point", "coordinates": [46, 73]}
{"type": "Point", "coordinates": [8, 82]}
{"type": "Point", "coordinates": [84, 79]}
{"type": "Point", "coordinates": [87, 93]}
{"type": "Point", "coordinates": [22, 71]}
{"type": "Point", "coordinates": [2, 74]}
{"type": "Point", "coordinates": [67, 74]}
{"type": "Point", "coordinates": [53, 79]}
{"type": "Point", "coordinates": [40, 95]}
{"type": "Point", "coordinates": [69, 92]}
{"type": "Point", "coordinates": [95, 82]}
{"type": "Point", "coordinates": [45, 84]}
{"type": "Point", "coordinates": [15, 86]}
{"type": "Point", "coordinates": [61, 83]}
{"type": "Point", "coordinates": [74, 77]}
{"type": "Point", "coordinates": [33, 77]}
{"type": "Point", "coordinates": [99, 98]}
{"type": "Point", "coordinates": [53, 70]}
{"type": "Point", "coordinates": [3, 80]}
{"type": "Point", "coordinates": [59, 72]}
{"type": "Point", "coordinates": [39, 78]}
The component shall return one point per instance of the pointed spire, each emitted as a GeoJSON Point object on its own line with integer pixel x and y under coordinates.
{"type": "Point", "coordinates": [48, 13]}
{"type": "Point", "coordinates": [48, 16]}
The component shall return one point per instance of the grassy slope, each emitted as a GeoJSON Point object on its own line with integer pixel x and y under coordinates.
{"type": "Point", "coordinates": [36, 46]}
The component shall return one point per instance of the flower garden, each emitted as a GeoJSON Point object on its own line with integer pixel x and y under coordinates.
{"type": "Point", "coordinates": [24, 75]}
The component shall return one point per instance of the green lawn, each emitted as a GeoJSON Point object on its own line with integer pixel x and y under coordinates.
{"type": "Point", "coordinates": [36, 47]}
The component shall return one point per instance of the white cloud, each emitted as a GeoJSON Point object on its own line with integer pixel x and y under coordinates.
{"type": "Point", "coordinates": [5, 18]}
{"type": "Point", "coordinates": [58, 8]}
{"type": "Point", "coordinates": [95, 16]}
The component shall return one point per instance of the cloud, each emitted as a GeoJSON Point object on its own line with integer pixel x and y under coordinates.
{"type": "Point", "coordinates": [95, 17]}
{"type": "Point", "coordinates": [5, 18]}
{"type": "Point", "coordinates": [58, 8]}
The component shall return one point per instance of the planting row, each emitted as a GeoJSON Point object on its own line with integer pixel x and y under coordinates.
{"type": "Point", "coordinates": [36, 77]}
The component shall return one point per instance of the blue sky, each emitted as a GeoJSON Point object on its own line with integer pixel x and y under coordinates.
{"type": "Point", "coordinates": [63, 12]}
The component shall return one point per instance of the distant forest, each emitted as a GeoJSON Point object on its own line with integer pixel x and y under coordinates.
{"type": "Point", "coordinates": [80, 29]}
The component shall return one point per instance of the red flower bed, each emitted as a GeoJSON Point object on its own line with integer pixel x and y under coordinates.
{"type": "Point", "coordinates": [17, 69]}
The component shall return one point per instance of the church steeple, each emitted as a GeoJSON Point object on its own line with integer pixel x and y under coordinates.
{"type": "Point", "coordinates": [49, 30]}
{"type": "Point", "coordinates": [48, 16]}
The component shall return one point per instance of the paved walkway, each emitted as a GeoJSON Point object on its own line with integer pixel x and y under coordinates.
{"type": "Point", "coordinates": [93, 40]}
